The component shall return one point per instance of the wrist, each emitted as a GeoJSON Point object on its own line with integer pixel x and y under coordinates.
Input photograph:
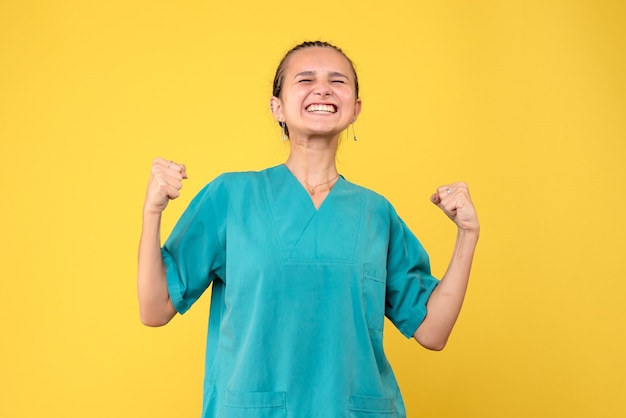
{"type": "Point", "coordinates": [468, 234]}
{"type": "Point", "coordinates": [151, 216]}
{"type": "Point", "coordinates": [152, 211]}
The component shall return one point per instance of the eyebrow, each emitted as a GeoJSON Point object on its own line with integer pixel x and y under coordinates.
{"type": "Point", "coordinates": [312, 73]}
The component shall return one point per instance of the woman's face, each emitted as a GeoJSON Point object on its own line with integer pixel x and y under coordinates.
{"type": "Point", "coordinates": [318, 94]}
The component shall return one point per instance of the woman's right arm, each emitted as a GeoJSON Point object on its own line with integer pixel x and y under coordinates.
{"type": "Point", "coordinates": [155, 306]}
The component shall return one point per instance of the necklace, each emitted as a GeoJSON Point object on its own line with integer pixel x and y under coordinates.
{"type": "Point", "coordinates": [311, 188]}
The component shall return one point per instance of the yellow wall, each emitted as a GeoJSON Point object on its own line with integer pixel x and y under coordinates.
{"type": "Point", "coordinates": [525, 100]}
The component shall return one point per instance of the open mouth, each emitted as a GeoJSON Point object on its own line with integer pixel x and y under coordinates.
{"type": "Point", "coordinates": [321, 108]}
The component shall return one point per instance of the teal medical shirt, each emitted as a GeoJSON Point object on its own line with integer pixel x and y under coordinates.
{"type": "Point", "coordinates": [299, 295]}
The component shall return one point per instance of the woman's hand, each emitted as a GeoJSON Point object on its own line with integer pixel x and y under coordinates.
{"type": "Point", "coordinates": [454, 199]}
{"type": "Point", "coordinates": [166, 180]}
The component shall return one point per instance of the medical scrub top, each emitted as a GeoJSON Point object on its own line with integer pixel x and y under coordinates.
{"type": "Point", "coordinates": [299, 295]}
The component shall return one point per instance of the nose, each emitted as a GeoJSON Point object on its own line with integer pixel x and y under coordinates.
{"type": "Point", "coordinates": [323, 89]}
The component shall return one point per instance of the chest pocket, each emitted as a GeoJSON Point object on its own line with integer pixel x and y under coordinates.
{"type": "Point", "coordinates": [371, 407]}
{"type": "Point", "coordinates": [373, 293]}
{"type": "Point", "coordinates": [254, 405]}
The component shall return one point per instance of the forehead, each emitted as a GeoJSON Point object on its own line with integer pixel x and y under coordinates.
{"type": "Point", "coordinates": [319, 59]}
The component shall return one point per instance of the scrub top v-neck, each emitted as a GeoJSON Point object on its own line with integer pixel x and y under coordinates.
{"type": "Point", "coordinates": [299, 295]}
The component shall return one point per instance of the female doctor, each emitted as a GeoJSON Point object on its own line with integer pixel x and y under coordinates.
{"type": "Point", "coordinates": [304, 265]}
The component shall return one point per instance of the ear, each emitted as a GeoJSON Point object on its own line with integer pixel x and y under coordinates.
{"type": "Point", "coordinates": [357, 109]}
{"type": "Point", "coordinates": [276, 106]}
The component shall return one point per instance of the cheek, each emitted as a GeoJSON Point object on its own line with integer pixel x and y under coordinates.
{"type": "Point", "coordinates": [347, 94]}
{"type": "Point", "coordinates": [349, 101]}
{"type": "Point", "coordinates": [293, 97]}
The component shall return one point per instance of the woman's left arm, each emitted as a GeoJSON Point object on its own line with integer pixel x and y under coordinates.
{"type": "Point", "coordinates": [446, 300]}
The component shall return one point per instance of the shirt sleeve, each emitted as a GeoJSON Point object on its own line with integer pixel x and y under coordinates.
{"type": "Point", "coordinates": [195, 252]}
{"type": "Point", "coordinates": [409, 280]}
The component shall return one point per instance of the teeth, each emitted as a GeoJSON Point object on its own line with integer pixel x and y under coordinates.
{"type": "Point", "coordinates": [321, 108]}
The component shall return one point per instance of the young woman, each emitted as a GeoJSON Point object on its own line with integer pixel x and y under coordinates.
{"type": "Point", "coordinates": [304, 264]}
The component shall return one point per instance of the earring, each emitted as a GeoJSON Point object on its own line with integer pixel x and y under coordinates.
{"type": "Point", "coordinates": [282, 125]}
{"type": "Point", "coordinates": [353, 132]}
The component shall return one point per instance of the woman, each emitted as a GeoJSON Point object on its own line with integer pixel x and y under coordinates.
{"type": "Point", "coordinates": [304, 264]}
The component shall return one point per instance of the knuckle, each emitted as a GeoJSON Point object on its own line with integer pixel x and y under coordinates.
{"type": "Point", "coordinates": [157, 170]}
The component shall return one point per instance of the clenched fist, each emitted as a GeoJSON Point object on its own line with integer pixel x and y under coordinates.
{"type": "Point", "coordinates": [454, 199]}
{"type": "Point", "coordinates": [166, 180]}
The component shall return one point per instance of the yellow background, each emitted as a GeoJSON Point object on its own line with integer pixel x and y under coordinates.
{"type": "Point", "coordinates": [524, 100]}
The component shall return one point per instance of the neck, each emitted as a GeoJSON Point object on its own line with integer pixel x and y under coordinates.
{"type": "Point", "coordinates": [312, 162]}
